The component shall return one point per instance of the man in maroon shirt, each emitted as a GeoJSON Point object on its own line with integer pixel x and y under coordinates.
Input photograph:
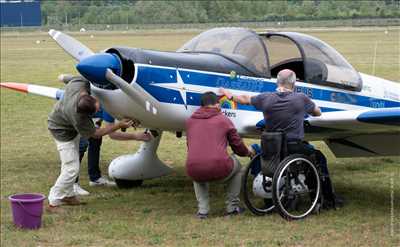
{"type": "Point", "coordinates": [208, 134]}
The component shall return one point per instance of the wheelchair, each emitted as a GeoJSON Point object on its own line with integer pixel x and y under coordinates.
{"type": "Point", "coordinates": [277, 181]}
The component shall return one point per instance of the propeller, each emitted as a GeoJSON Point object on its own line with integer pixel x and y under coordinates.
{"type": "Point", "coordinates": [72, 46]}
{"type": "Point", "coordinates": [99, 68]}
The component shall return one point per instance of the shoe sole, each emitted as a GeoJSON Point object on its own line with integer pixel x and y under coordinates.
{"type": "Point", "coordinates": [78, 203]}
{"type": "Point", "coordinates": [55, 210]}
{"type": "Point", "coordinates": [85, 194]}
{"type": "Point", "coordinates": [100, 185]}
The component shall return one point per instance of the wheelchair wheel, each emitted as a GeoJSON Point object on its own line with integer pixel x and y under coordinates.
{"type": "Point", "coordinates": [257, 189]}
{"type": "Point", "coordinates": [296, 187]}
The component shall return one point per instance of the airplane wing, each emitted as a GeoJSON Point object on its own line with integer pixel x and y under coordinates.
{"type": "Point", "coordinates": [370, 132]}
{"type": "Point", "coordinates": [354, 133]}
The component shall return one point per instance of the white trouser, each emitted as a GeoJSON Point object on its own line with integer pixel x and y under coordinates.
{"type": "Point", "coordinates": [69, 156]}
{"type": "Point", "coordinates": [233, 181]}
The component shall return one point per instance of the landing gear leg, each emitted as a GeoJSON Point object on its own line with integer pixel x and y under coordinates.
{"type": "Point", "coordinates": [130, 170]}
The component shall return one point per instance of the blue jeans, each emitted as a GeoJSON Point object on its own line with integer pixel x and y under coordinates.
{"type": "Point", "coordinates": [93, 146]}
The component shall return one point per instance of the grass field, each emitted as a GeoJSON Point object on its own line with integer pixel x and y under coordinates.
{"type": "Point", "coordinates": [161, 211]}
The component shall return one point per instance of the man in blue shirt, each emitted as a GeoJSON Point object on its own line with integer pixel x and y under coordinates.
{"type": "Point", "coordinates": [285, 110]}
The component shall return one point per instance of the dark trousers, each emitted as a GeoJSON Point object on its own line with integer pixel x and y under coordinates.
{"type": "Point", "coordinates": [302, 147]}
{"type": "Point", "coordinates": [93, 146]}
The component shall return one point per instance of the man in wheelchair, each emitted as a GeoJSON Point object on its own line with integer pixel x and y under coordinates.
{"type": "Point", "coordinates": [284, 112]}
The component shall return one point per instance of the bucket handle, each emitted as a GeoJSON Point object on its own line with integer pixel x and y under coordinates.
{"type": "Point", "coordinates": [23, 207]}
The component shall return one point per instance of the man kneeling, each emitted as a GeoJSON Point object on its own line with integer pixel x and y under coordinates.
{"type": "Point", "coordinates": [208, 133]}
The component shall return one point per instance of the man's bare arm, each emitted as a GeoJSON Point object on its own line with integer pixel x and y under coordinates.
{"type": "Point", "coordinates": [124, 136]}
{"type": "Point", "coordinates": [316, 112]}
{"type": "Point", "coordinates": [125, 123]}
{"type": "Point", "coordinates": [241, 99]}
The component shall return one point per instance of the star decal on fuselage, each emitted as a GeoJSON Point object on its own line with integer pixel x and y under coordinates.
{"type": "Point", "coordinates": [182, 88]}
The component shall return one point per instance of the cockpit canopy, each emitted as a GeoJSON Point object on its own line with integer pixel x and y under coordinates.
{"type": "Point", "coordinates": [265, 54]}
{"type": "Point", "coordinates": [241, 45]}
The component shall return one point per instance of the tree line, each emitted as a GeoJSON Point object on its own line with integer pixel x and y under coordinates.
{"type": "Point", "coordinates": [155, 12]}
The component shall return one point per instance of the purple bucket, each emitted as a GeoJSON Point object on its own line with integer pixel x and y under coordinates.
{"type": "Point", "coordinates": [27, 210]}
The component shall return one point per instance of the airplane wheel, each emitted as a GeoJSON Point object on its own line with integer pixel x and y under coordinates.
{"type": "Point", "coordinates": [257, 199]}
{"type": "Point", "coordinates": [128, 184]}
{"type": "Point", "coordinates": [296, 187]}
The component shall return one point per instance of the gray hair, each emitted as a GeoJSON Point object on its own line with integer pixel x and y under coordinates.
{"type": "Point", "coordinates": [286, 78]}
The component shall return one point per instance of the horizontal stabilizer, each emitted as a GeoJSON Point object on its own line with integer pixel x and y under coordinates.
{"type": "Point", "coordinates": [50, 92]}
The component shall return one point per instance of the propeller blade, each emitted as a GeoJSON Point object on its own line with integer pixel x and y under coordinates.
{"type": "Point", "coordinates": [133, 91]}
{"type": "Point", "coordinates": [72, 46]}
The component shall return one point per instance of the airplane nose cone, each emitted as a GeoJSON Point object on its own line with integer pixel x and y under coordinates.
{"type": "Point", "coordinates": [94, 67]}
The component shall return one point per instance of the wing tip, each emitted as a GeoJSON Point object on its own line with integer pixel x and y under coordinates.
{"type": "Point", "coordinates": [21, 87]}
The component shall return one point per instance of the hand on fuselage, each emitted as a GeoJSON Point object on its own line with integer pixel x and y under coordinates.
{"type": "Point", "coordinates": [125, 123]}
{"type": "Point", "coordinates": [225, 92]}
{"type": "Point", "coordinates": [252, 152]}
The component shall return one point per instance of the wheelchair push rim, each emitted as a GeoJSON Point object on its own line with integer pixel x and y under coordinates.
{"type": "Point", "coordinates": [257, 205]}
{"type": "Point", "coordinates": [296, 187]}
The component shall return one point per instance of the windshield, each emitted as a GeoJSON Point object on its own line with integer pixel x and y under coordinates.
{"type": "Point", "coordinates": [322, 63]}
{"type": "Point", "coordinates": [284, 54]}
{"type": "Point", "coordinates": [239, 44]}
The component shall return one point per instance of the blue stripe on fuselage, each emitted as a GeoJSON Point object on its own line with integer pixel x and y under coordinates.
{"type": "Point", "coordinates": [146, 75]}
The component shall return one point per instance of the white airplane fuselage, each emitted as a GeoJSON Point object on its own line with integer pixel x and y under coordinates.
{"type": "Point", "coordinates": [376, 93]}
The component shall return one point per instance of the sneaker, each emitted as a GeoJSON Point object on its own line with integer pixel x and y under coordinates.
{"type": "Point", "coordinates": [54, 209]}
{"type": "Point", "coordinates": [335, 203]}
{"type": "Point", "coordinates": [72, 201]}
{"type": "Point", "coordinates": [236, 211]}
{"type": "Point", "coordinates": [201, 216]}
{"type": "Point", "coordinates": [79, 191]}
{"type": "Point", "coordinates": [102, 181]}
{"type": "Point", "coordinates": [339, 201]}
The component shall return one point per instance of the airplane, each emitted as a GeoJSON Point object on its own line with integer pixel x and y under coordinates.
{"type": "Point", "coordinates": [360, 112]}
